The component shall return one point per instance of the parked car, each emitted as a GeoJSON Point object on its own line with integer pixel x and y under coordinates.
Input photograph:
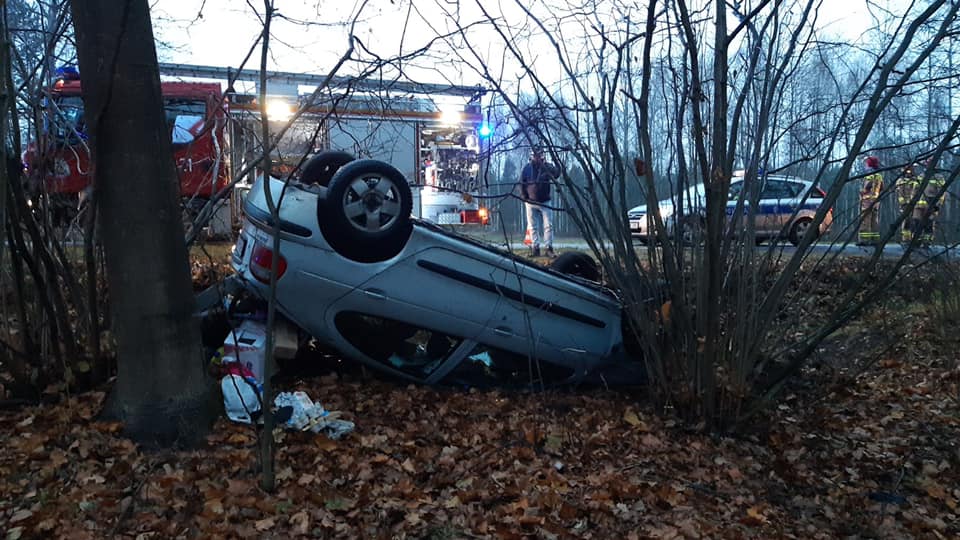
{"type": "Point", "coordinates": [784, 210]}
{"type": "Point", "coordinates": [406, 297]}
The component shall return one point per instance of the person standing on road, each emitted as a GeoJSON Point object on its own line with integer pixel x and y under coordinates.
{"type": "Point", "coordinates": [931, 202]}
{"type": "Point", "coordinates": [870, 202]}
{"type": "Point", "coordinates": [907, 186]}
{"type": "Point", "coordinates": [535, 179]}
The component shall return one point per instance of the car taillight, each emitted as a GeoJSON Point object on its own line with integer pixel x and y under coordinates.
{"type": "Point", "coordinates": [261, 263]}
{"type": "Point", "coordinates": [822, 195]}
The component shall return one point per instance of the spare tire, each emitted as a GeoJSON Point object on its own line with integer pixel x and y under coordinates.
{"type": "Point", "coordinates": [365, 215]}
{"type": "Point", "coordinates": [577, 263]}
{"type": "Point", "coordinates": [320, 168]}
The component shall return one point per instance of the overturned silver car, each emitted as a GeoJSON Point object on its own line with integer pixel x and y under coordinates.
{"type": "Point", "coordinates": [359, 274]}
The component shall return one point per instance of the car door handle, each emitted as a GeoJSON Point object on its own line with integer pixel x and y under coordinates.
{"type": "Point", "coordinates": [375, 294]}
{"type": "Point", "coordinates": [503, 331]}
{"type": "Point", "coordinates": [575, 351]}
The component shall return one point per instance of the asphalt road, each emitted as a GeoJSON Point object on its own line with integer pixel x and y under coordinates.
{"type": "Point", "coordinates": [890, 251]}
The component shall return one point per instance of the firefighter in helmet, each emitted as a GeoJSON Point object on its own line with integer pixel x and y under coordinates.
{"type": "Point", "coordinates": [907, 186]}
{"type": "Point", "coordinates": [870, 202]}
{"type": "Point", "coordinates": [931, 201]}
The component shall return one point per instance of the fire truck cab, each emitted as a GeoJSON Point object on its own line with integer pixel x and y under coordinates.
{"type": "Point", "coordinates": [58, 162]}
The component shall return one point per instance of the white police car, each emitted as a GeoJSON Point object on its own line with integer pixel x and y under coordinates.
{"type": "Point", "coordinates": [785, 210]}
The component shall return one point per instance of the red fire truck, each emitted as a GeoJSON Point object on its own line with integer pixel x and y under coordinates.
{"type": "Point", "coordinates": [58, 162]}
{"type": "Point", "coordinates": [214, 139]}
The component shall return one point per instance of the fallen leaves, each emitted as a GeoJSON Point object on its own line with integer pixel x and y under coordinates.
{"type": "Point", "coordinates": [445, 464]}
{"type": "Point", "coordinates": [20, 515]}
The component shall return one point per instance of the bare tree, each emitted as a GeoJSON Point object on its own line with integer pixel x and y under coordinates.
{"type": "Point", "coordinates": [711, 87]}
{"type": "Point", "coordinates": [160, 394]}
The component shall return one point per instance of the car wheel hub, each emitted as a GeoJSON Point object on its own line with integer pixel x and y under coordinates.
{"type": "Point", "coordinates": [372, 204]}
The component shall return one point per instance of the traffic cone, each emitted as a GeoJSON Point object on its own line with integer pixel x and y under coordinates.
{"type": "Point", "coordinates": [528, 238]}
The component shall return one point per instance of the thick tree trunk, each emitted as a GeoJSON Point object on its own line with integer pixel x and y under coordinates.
{"type": "Point", "coordinates": [160, 393]}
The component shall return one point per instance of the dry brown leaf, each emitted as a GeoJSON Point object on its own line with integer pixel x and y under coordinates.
{"type": "Point", "coordinates": [754, 517]}
{"type": "Point", "coordinates": [651, 440]}
{"type": "Point", "coordinates": [239, 439]}
{"type": "Point", "coordinates": [527, 519]}
{"type": "Point", "coordinates": [326, 444]}
{"type": "Point", "coordinates": [265, 524]}
{"type": "Point", "coordinates": [238, 487]}
{"type": "Point", "coordinates": [214, 505]}
{"type": "Point", "coordinates": [935, 490]}
{"type": "Point", "coordinates": [20, 515]}
{"type": "Point", "coordinates": [300, 522]}
{"type": "Point", "coordinates": [631, 418]}
{"type": "Point", "coordinates": [285, 473]}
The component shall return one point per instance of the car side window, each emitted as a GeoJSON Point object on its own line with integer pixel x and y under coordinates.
{"type": "Point", "coordinates": [488, 366]}
{"type": "Point", "coordinates": [795, 189]}
{"type": "Point", "coordinates": [776, 189]}
{"type": "Point", "coordinates": [405, 347]}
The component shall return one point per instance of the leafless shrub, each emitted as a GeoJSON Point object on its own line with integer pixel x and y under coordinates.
{"type": "Point", "coordinates": [656, 98]}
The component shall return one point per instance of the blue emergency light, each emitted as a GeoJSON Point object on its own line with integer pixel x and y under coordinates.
{"type": "Point", "coordinates": [485, 130]}
{"type": "Point", "coordinates": [67, 73]}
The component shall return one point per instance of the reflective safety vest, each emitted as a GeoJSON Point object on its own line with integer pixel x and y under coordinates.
{"type": "Point", "coordinates": [872, 186]}
{"type": "Point", "coordinates": [906, 188]}
{"type": "Point", "coordinates": [932, 193]}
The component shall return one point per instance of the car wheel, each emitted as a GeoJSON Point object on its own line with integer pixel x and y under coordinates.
{"type": "Point", "coordinates": [576, 263]}
{"type": "Point", "coordinates": [799, 229]}
{"type": "Point", "coordinates": [366, 213]}
{"type": "Point", "coordinates": [321, 167]}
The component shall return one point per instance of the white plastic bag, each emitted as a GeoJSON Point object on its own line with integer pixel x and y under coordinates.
{"type": "Point", "coordinates": [241, 399]}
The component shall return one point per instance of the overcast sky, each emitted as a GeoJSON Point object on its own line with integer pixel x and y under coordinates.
{"type": "Point", "coordinates": [309, 35]}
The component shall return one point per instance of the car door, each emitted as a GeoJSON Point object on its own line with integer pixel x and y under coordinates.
{"type": "Point", "coordinates": [733, 199]}
{"type": "Point", "coordinates": [777, 203]}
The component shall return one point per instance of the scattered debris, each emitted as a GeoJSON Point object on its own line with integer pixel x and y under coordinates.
{"type": "Point", "coordinates": [305, 415]}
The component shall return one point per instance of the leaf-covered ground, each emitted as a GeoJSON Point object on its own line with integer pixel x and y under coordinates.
{"type": "Point", "coordinates": [880, 460]}
{"type": "Point", "coordinates": [867, 445]}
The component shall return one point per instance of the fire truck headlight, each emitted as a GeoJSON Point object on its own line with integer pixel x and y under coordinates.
{"type": "Point", "coordinates": [451, 116]}
{"type": "Point", "coordinates": [279, 110]}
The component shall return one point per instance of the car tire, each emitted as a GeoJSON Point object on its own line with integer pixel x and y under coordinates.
{"type": "Point", "coordinates": [799, 229]}
{"type": "Point", "coordinates": [577, 263]}
{"type": "Point", "coordinates": [365, 215]}
{"type": "Point", "coordinates": [321, 168]}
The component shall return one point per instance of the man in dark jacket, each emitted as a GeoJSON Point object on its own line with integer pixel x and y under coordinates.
{"type": "Point", "coordinates": [535, 179]}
